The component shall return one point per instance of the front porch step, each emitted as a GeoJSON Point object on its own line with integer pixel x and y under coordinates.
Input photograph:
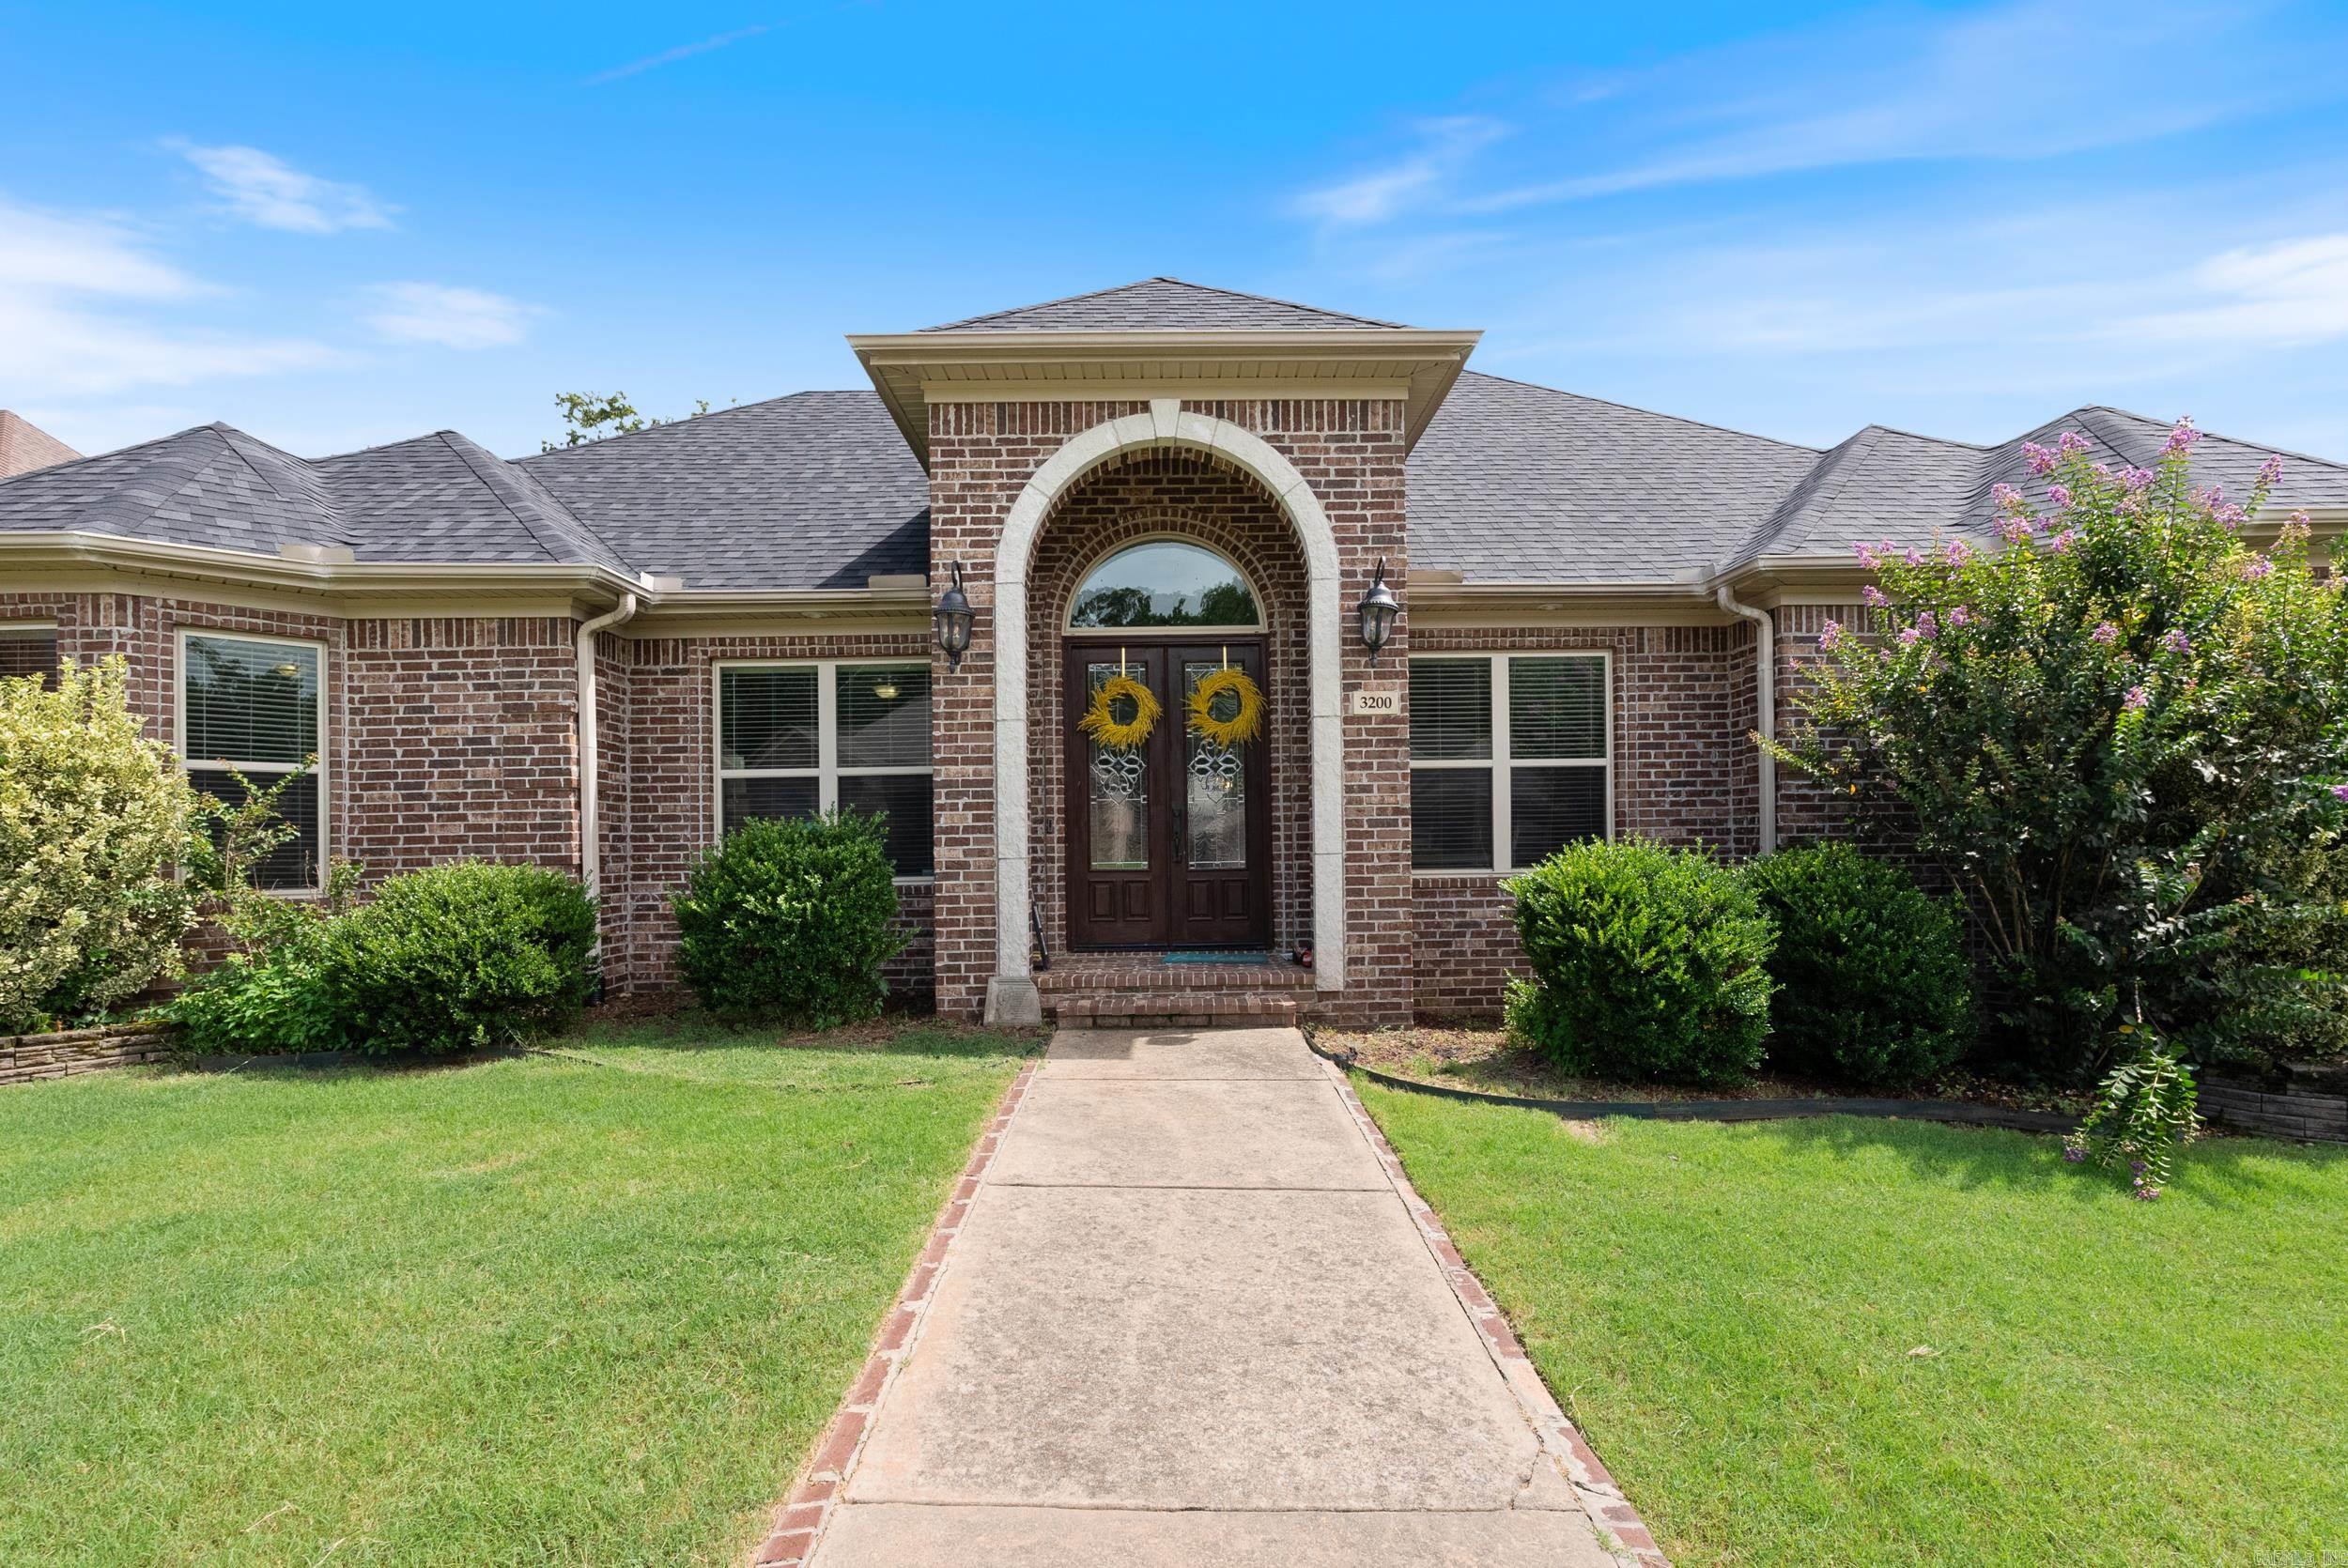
{"type": "Point", "coordinates": [1140, 990]}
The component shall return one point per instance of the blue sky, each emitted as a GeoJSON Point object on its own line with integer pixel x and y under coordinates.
{"type": "Point", "coordinates": [339, 225]}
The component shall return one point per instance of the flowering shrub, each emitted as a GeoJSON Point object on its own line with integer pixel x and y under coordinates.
{"type": "Point", "coordinates": [93, 815]}
{"type": "Point", "coordinates": [2116, 732]}
{"type": "Point", "coordinates": [1873, 984]}
{"type": "Point", "coordinates": [2146, 1110]}
{"type": "Point", "coordinates": [1647, 962]}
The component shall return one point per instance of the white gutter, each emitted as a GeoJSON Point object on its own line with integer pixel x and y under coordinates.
{"type": "Point", "coordinates": [1765, 696]}
{"type": "Point", "coordinates": [590, 836]}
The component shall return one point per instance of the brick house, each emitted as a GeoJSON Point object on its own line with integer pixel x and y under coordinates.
{"type": "Point", "coordinates": [599, 657]}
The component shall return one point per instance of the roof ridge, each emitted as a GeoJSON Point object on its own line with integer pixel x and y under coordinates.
{"type": "Point", "coordinates": [450, 439]}
{"type": "Point", "coordinates": [1650, 413]}
{"type": "Point", "coordinates": [1162, 278]}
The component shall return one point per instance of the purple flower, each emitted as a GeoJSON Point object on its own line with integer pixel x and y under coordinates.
{"type": "Point", "coordinates": [2071, 441]}
{"type": "Point", "coordinates": [2007, 497]}
{"type": "Point", "coordinates": [2013, 530]}
{"type": "Point", "coordinates": [2135, 699]}
{"type": "Point", "coordinates": [1866, 554]}
{"type": "Point", "coordinates": [2106, 633]}
{"type": "Point", "coordinates": [1960, 616]}
{"type": "Point", "coordinates": [2061, 544]}
{"type": "Point", "coordinates": [1927, 626]}
{"type": "Point", "coordinates": [1913, 557]}
{"type": "Point", "coordinates": [2181, 438]}
{"type": "Point", "coordinates": [2136, 1167]}
{"type": "Point", "coordinates": [1909, 637]}
{"type": "Point", "coordinates": [2257, 567]}
{"type": "Point", "coordinates": [2138, 478]}
{"type": "Point", "coordinates": [1875, 596]}
{"type": "Point", "coordinates": [2073, 1153]}
{"type": "Point", "coordinates": [2176, 641]}
{"type": "Point", "coordinates": [2271, 470]}
{"type": "Point", "coordinates": [1830, 636]}
{"type": "Point", "coordinates": [1957, 552]}
{"type": "Point", "coordinates": [2340, 793]}
{"type": "Point", "coordinates": [2060, 495]}
{"type": "Point", "coordinates": [2041, 460]}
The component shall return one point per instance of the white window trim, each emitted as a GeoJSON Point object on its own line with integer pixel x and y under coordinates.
{"type": "Point", "coordinates": [827, 771]}
{"type": "Point", "coordinates": [1502, 764]}
{"type": "Point", "coordinates": [316, 770]}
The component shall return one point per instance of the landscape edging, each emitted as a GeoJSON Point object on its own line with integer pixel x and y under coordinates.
{"type": "Point", "coordinates": [1956, 1111]}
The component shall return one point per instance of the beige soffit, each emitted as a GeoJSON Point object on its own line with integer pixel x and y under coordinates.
{"type": "Point", "coordinates": [135, 565]}
{"type": "Point", "coordinates": [909, 369]}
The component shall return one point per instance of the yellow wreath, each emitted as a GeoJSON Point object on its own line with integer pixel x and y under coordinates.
{"type": "Point", "coordinates": [1242, 724]}
{"type": "Point", "coordinates": [1102, 724]}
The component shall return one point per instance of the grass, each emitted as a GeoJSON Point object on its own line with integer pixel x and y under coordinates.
{"type": "Point", "coordinates": [582, 1309]}
{"type": "Point", "coordinates": [1882, 1343]}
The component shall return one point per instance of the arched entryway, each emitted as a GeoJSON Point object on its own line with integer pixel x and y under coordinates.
{"type": "Point", "coordinates": [1026, 865]}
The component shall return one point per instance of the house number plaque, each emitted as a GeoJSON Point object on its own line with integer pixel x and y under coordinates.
{"type": "Point", "coordinates": [1378, 699]}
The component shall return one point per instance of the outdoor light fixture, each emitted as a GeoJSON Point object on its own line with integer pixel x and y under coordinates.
{"type": "Point", "coordinates": [1379, 609]}
{"type": "Point", "coordinates": [953, 618]}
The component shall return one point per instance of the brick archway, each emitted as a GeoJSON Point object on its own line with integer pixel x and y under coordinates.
{"type": "Point", "coordinates": [1010, 994]}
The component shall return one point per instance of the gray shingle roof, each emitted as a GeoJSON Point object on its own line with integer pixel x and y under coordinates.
{"type": "Point", "coordinates": [813, 490]}
{"type": "Point", "coordinates": [1161, 305]}
{"type": "Point", "coordinates": [1517, 482]}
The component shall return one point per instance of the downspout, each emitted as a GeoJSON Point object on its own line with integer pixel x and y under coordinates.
{"type": "Point", "coordinates": [589, 835]}
{"type": "Point", "coordinates": [1765, 700]}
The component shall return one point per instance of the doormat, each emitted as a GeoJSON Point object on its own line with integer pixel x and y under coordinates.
{"type": "Point", "coordinates": [1218, 958]}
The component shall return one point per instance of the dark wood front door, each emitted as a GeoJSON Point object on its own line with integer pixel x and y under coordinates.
{"type": "Point", "coordinates": [1168, 842]}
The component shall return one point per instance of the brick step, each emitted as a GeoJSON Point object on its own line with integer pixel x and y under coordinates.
{"type": "Point", "coordinates": [1146, 972]}
{"type": "Point", "coordinates": [1194, 1010]}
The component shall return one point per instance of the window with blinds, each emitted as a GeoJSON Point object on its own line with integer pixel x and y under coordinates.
{"type": "Point", "coordinates": [251, 706]}
{"type": "Point", "coordinates": [28, 650]}
{"type": "Point", "coordinates": [795, 740]}
{"type": "Point", "coordinates": [1509, 759]}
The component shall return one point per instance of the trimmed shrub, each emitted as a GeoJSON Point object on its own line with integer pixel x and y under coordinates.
{"type": "Point", "coordinates": [791, 919]}
{"type": "Point", "coordinates": [1647, 963]}
{"type": "Point", "coordinates": [1873, 985]}
{"type": "Point", "coordinates": [459, 957]}
{"type": "Point", "coordinates": [93, 815]}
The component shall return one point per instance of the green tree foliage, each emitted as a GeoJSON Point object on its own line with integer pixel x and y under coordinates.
{"type": "Point", "coordinates": [2122, 735]}
{"type": "Point", "coordinates": [93, 816]}
{"type": "Point", "coordinates": [1647, 963]}
{"type": "Point", "coordinates": [597, 416]}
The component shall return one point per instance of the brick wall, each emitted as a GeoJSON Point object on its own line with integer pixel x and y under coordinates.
{"type": "Point", "coordinates": [666, 812]}
{"type": "Point", "coordinates": [1149, 494]}
{"type": "Point", "coordinates": [1684, 773]}
{"type": "Point", "coordinates": [1350, 453]}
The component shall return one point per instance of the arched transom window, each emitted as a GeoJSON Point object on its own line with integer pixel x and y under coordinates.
{"type": "Point", "coordinates": [1165, 582]}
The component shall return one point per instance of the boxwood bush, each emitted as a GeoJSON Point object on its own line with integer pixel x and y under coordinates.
{"type": "Point", "coordinates": [1873, 986]}
{"type": "Point", "coordinates": [1647, 962]}
{"type": "Point", "coordinates": [459, 957]}
{"type": "Point", "coordinates": [793, 919]}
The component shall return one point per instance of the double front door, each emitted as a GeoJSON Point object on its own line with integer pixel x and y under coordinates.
{"type": "Point", "coordinates": [1168, 837]}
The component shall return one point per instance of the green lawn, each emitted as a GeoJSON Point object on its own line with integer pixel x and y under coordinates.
{"type": "Point", "coordinates": [536, 1310]}
{"type": "Point", "coordinates": [1844, 1341]}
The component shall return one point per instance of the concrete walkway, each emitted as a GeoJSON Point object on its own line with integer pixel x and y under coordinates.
{"type": "Point", "coordinates": [1190, 1319]}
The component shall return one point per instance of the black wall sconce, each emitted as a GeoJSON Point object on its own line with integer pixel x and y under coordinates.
{"type": "Point", "coordinates": [1379, 608]}
{"type": "Point", "coordinates": [953, 618]}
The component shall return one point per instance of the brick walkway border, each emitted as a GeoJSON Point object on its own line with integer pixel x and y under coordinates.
{"type": "Point", "coordinates": [800, 1519]}
{"type": "Point", "coordinates": [1619, 1526]}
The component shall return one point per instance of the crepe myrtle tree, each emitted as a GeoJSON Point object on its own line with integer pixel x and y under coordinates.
{"type": "Point", "coordinates": [2121, 731]}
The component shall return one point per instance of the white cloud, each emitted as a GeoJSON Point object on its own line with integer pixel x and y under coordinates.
{"type": "Point", "coordinates": [2285, 295]}
{"type": "Point", "coordinates": [71, 290]}
{"type": "Point", "coordinates": [263, 188]}
{"type": "Point", "coordinates": [1446, 145]}
{"type": "Point", "coordinates": [682, 52]}
{"type": "Point", "coordinates": [451, 318]}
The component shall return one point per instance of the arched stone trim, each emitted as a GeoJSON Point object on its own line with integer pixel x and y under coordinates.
{"type": "Point", "coordinates": [1011, 995]}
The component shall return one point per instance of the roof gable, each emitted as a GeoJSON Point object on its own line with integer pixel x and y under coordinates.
{"type": "Point", "coordinates": [1162, 305]}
